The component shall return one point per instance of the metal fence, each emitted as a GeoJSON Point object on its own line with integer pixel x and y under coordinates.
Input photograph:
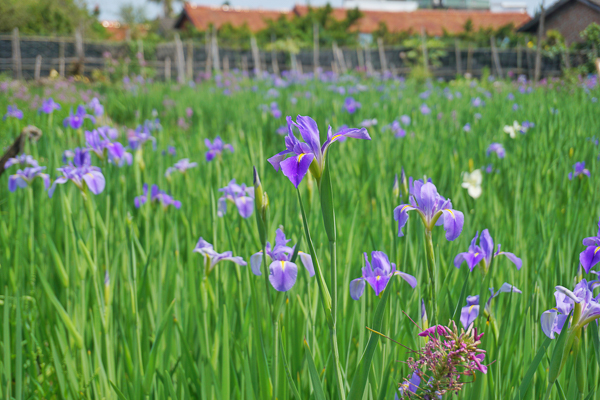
{"type": "Point", "coordinates": [34, 57]}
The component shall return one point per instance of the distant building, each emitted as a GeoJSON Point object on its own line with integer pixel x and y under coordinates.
{"type": "Point", "coordinates": [569, 17]}
{"type": "Point", "coordinates": [434, 21]}
{"type": "Point", "coordinates": [381, 5]}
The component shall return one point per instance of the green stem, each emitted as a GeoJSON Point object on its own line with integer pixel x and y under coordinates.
{"type": "Point", "coordinates": [333, 255]}
{"type": "Point", "coordinates": [431, 271]}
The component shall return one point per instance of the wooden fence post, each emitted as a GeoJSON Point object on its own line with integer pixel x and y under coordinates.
{"type": "Point", "coordinates": [16, 55]}
{"type": "Point", "coordinates": [368, 62]}
{"type": "Point", "coordinates": [207, 66]}
{"type": "Point", "coordinates": [458, 58]}
{"type": "Point", "coordinates": [79, 51]}
{"type": "Point", "coordinates": [255, 57]}
{"type": "Point", "coordinates": [244, 66]}
{"type": "Point", "coordinates": [274, 62]}
{"type": "Point", "coordinates": [179, 59]}
{"type": "Point", "coordinates": [61, 58]}
{"type": "Point", "coordinates": [168, 69]}
{"type": "Point", "coordinates": [382, 60]}
{"type": "Point", "coordinates": [189, 61]}
{"type": "Point", "coordinates": [315, 48]}
{"type": "Point", "coordinates": [496, 57]}
{"type": "Point", "coordinates": [567, 56]}
{"type": "Point", "coordinates": [538, 50]}
{"type": "Point", "coordinates": [424, 49]}
{"type": "Point", "coordinates": [38, 67]}
{"type": "Point", "coordinates": [470, 59]}
{"type": "Point", "coordinates": [361, 58]}
{"type": "Point", "coordinates": [215, 52]}
{"type": "Point", "coordinates": [519, 59]}
{"type": "Point", "coordinates": [226, 64]}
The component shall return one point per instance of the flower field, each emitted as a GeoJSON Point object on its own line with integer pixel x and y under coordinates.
{"type": "Point", "coordinates": [301, 237]}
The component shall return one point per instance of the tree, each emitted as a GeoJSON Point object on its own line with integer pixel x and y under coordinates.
{"type": "Point", "coordinates": [131, 15]}
{"type": "Point", "coordinates": [167, 6]}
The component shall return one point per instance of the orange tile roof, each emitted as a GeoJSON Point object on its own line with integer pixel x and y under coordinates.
{"type": "Point", "coordinates": [203, 16]}
{"type": "Point", "coordinates": [434, 21]}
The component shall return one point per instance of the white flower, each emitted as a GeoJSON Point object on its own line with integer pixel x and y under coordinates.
{"type": "Point", "coordinates": [512, 130]}
{"type": "Point", "coordinates": [472, 182]}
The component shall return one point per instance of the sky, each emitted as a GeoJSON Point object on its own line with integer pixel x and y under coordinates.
{"type": "Point", "coordinates": [109, 9]}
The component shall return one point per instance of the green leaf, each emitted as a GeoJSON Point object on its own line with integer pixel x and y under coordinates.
{"type": "Point", "coordinates": [225, 334]}
{"type": "Point", "coordinates": [319, 394]}
{"type": "Point", "coordinates": [360, 379]}
{"type": "Point", "coordinates": [151, 368]}
{"type": "Point", "coordinates": [327, 202]}
{"type": "Point", "coordinates": [595, 340]}
{"type": "Point", "coordinates": [60, 268]}
{"type": "Point", "coordinates": [286, 366]}
{"type": "Point", "coordinates": [531, 370]}
{"type": "Point", "coordinates": [117, 391]}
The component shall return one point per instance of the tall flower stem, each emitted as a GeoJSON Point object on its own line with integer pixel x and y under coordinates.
{"type": "Point", "coordinates": [431, 271]}
{"type": "Point", "coordinates": [326, 303]}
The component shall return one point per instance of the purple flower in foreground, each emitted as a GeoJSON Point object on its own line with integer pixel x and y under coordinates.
{"type": "Point", "coordinates": [496, 148]}
{"type": "Point", "coordinates": [591, 255]}
{"type": "Point", "coordinates": [22, 160]}
{"type": "Point", "coordinates": [470, 312]}
{"type": "Point", "coordinates": [377, 273]}
{"type": "Point", "coordinates": [433, 209]}
{"type": "Point", "coordinates": [580, 170]}
{"type": "Point", "coordinates": [282, 272]}
{"type": "Point", "coordinates": [142, 134]}
{"type": "Point", "coordinates": [48, 106]}
{"type": "Point", "coordinates": [216, 147]}
{"type": "Point", "coordinates": [351, 105]}
{"type": "Point", "coordinates": [118, 155]}
{"type": "Point", "coordinates": [484, 253]}
{"type": "Point", "coordinates": [181, 166]}
{"type": "Point", "coordinates": [581, 300]}
{"type": "Point", "coordinates": [240, 195]}
{"type": "Point", "coordinates": [23, 178]}
{"type": "Point", "coordinates": [156, 195]}
{"type": "Point", "coordinates": [81, 172]}
{"type": "Point", "coordinates": [212, 258]}
{"type": "Point", "coordinates": [75, 121]}
{"type": "Point", "coordinates": [304, 153]}
{"type": "Point", "coordinates": [14, 112]}
{"type": "Point", "coordinates": [409, 387]}
{"type": "Point", "coordinates": [396, 129]}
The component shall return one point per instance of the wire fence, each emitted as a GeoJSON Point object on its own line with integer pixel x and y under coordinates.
{"type": "Point", "coordinates": [31, 57]}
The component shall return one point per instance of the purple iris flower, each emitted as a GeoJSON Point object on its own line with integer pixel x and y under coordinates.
{"type": "Point", "coordinates": [172, 151]}
{"type": "Point", "coordinates": [189, 112]}
{"type": "Point", "coordinates": [470, 312]}
{"type": "Point", "coordinates": [23, 178]}
{"type": "Point", "coordinates": [212, 258]}
{"type": "Point", "coordinates": [484, 253]}
{"type": "Point", "coordinates": [141, 135]}
{"type": "Point", "coordinates": [510, 96]}
{"type": "Point", "coordinates": [582, 298]}
{"type": "Point", "coordinates": [156, 195]}
{"type": "Point", "coordinates": [477, 102]}
{"type": "Point", "coordinates": [425, 110]}
{"type": "Point", "coordinates": [181, 166]}
{"type": "Point", "coordinates": [590, 256]}
{"type": "Point", "coordinates": [282, 130]}
{"type": "Point", "coordinates": [240, 195]}
{"type": "Point", "coordinates": [96, 141]}
{"type": "Point", "coordinates": [377, 273]}
{"type": "Point", "coordinates": [515, 107]}
{"type": "Point", "coordinates": [48, 106]}
{"type": "Point", "coordinates": [367, 123]}
{"type": "Point", "coordinates": [433, 209]}
{"type": "Point", "coordinates": [496, 148]}
{"type": "Point", "coordinates": [396, 129]}
{"type": "Point", "coordinates": [303, 153]}
{"type": "Point", "coordinates": [75, 121]}
{"type": "Point", "coordinates": [275, 112]}
{"type": "Point", "coordinates": [282, 272]}
{"type": "Point", "coordinates": [467, 127]}
{"type": "Point", "coordinates": [526, 125]}
{"type": "Point", "coordinates": [110, 133]}
{"type": "Point", "coordinates": [405, 119]}
{"type": "Point", "coordinates": [216, 147]}
{"type": "Point", "coordinates": [580, 170]}
{"type": "Point", "coordinates": [14, 112]}
{"type": "Point", "coordinates": [408, 388]}
{"type": "Point", "coordinates": [22, 160]}
{"type": "Point", "coordinates": [118, 155]}
{"type": "Point", "coordinates": [81, 172]}
{"type": "Point", "coordinates": [351, 105]}
{"type": "Point", "coordinates": [96, 107]}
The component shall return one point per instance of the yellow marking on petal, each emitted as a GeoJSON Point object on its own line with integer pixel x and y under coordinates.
{"type": "Point", "coordinates": [300, 156]}
{"type": "Point", "coordinates": [596, 250]}
{"type": "Point", "coordinates": [451, 212]}
{"type": "Point", "coordinates": [282, 265]}
{"type": "Point", "coordinates": [476, 254]}
{"type": "Point", "coordinates": [405, 207]}
{"type": "Point", "coordinates": [471, 308]}
{"type": "Point", "coordinates": [335, 137]}
{"type": "Point", "coordinates": [378, 277]}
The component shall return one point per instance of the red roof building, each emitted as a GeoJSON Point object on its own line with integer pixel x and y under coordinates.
{"type": "Point", "coordinates": [434, 21]}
